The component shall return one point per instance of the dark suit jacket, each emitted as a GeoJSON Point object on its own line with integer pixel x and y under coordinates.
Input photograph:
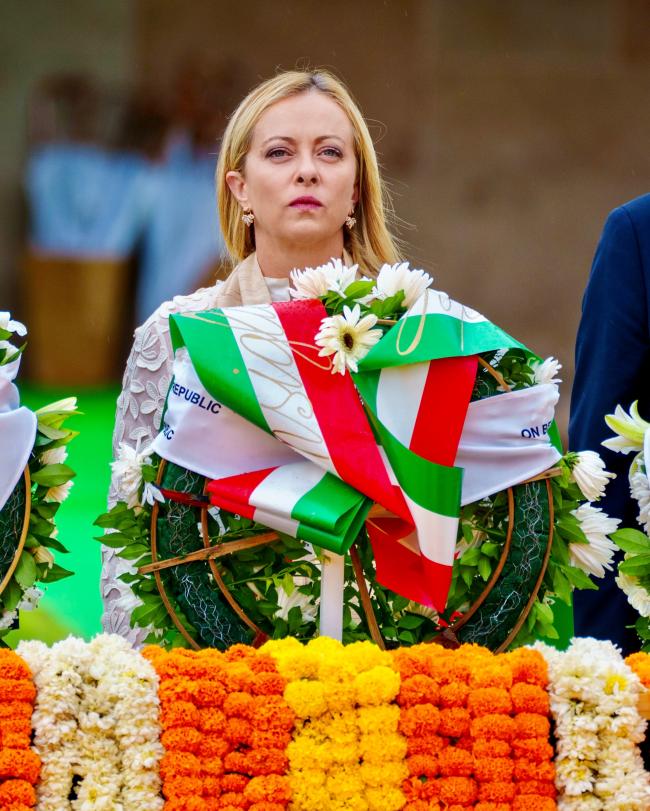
{"type": "Point", "coordinates": [613, 367]}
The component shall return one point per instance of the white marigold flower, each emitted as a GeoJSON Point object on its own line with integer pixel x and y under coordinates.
{"type": "Point", "coordinates": [546, 371]}
{"type": "Point", "coordinates": [393, 278]}
{"type": "Point", "coordinates": [640, 490]}
{"type": "Point", "coordinates": [54, 456]}
{"type": "Point", "coordinates": [597, 554]}
{"type": "Point", "coordinates": [127, 469]}
{"type": "Point", "coordinates": [8, 325]}
{"type": "Point", "coordinates": [637, 596]}
{"type": "Point", "coordinates": [59, 493]}
{"type": "Point", "coordinates": [589, 473]}
{"type": "Point", "coordinates": [31, 598]}
{"type": "Point", "coordinates": [7, 619]}
{"type": "Point", "coordinates": [313, 283]}
{"type": "Point", "coordinates": [296, 599]}
{"type": "Point", "coordinates": [347, 337]}
{"type": "Point", "coordinates": [630, 429]}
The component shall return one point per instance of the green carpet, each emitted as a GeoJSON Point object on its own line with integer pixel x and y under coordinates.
{"type": "Point", "coordinates": [73, 606]}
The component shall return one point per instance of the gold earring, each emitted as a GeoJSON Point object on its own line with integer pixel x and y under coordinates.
{"type": "Point", "coordinates": [350, 221]}
{"type": "Point", "coordinates": [248, 218]}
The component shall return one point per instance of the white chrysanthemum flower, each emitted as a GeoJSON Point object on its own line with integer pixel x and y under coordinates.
{"type": "Point", "coordinates": [7, 619]}
{"type": "Point", "coordinates": [127, 469]}
{"type": "Point", "coordinates": [347, 337]}
{"type": "Point", "coordinates": [589, 473]}
{"type": "Point", "coordinates": [43, 555]}
{"type": "Point", "coordinates": [7, 324]}
{"type": "Point", "coordinates": [597, 554]}
{"type": "Point", "coordinates": [640, 490]}
{"type": "Point", "coordinates": [150, 494]}
{"type": "Point", "coordinates": [60, 492]}
{"type": "Point", "coordinates": [546, 371]}
{"type": "Point", "coordinates": [313, 283]}
{"type": "Point", "coordinates": [308, 609]}
{"type": "Point", "coordinates": [55, 456]}
{"type": "Point", "coordinates": [637, 596]}
{"type": "Point", "coordinates": [630, 429]}
{"type": "Point", "coordinates": [31, 598]}
{"type": "Point", "coordinates": [393, 278]}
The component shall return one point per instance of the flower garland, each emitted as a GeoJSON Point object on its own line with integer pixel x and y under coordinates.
{"type": "Point", "coordinates": [225, 727]}
{"type": "Point", "coordinates": [346, 751]}
{"type": "Point", "coordinates": [594, 701]}
{"type": "Point", "coordinates": [19, 766]}
{"type": "Point", "coordinates": [95, 725]}
{"type": "Point", "coordinates": [477, 729]}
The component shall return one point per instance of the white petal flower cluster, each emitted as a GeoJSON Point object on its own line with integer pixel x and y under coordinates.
{"type": "Point", "coordinates": [594, 697]}
{"type": "Point", "coordinates": [637, 596]}
{"type": "Point", "coordinates": [55, 456]}
{"type": "Point", "coordinates": [127, 469]}
{"type": "Point", "coordinates": [393, 278]}
{"type": "Point", "coordinates": [8, 325]}
{"type": "Point", "coordinates": [7, 619]}
{"type": "Point", "coordinates": [313, 283]}
{"type": "Point", "coordinates": [597, 554]}
{"type": "Point", "coordinates": [630, 429]}
{"type": "Point", "coordinates": [589, 473]}
{"type": "Point", "coordinates": [308, 608]}
{"type": "Point", "coordinates": [31, 597]}
{"type": "Point", "coordinates": [60, 492]}
{"type": "Point", "coordinates": [96, 719]}
{"type": "Point", "coordinates": [546, 371]}
{"type": "Point", "coordinates": [347, 338]}
{"type": "Point", "coordinates": [640, 490]}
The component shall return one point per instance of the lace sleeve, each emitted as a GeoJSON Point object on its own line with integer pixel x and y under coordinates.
{"type": "Point", "coordinates": [137, 420]}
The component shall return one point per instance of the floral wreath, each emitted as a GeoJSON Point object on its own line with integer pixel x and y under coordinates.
{"type": "Point", "coordinates": [273, 590]}
{"type": "Point", "coordinates": [28, 532]}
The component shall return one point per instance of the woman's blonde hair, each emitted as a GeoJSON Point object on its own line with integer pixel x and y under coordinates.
{"type": "Point", "coordinates": [370, 242]}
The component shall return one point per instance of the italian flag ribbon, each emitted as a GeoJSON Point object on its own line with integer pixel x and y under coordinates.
{"type": "Point", "coordinates": [286, 443]}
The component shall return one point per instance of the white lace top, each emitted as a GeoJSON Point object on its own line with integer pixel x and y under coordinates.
{"type": "Point", "coordinates": [137, 419]}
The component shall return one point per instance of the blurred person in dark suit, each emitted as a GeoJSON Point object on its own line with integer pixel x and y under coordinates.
{"type": "Point", "coordinates": [612, 367]}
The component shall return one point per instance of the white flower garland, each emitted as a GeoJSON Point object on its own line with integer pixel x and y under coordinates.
{"type": "Point", "coordinates": [95, 718]}
{"type": "Point", "coordinates": [594, 697]}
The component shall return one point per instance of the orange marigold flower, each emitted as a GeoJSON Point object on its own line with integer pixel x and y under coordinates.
{"type": "Point", "coordinates": [454, 694]}
{"type": "Point", "coordinates": [487, 700]}
{"type": "Point", "coordinates": [273, 712]}
{"type": "Point", "coordinates": [209, 693]}
{"type": "Point", "coordinates": [233, 800]}
{"type": "Point", "coordinates": [426, 745]}
{"type": "Point", "coordinates": [17, 791]}
{"type": "Point", "coordinates": [421, 719]}
{"type": "Point", "coordinates": [461, 790]}
{"type": "Point", "coordinates": [211, 786]}
{"type": "Point", "coordinates": [234, 783]}
{"type": "Point", "coordinates": [541, 787]}
{"type": "Point", "coordinates": [412, 788]}
{"type": "Point", "coordinates": [266, 806]}
{"type": "Point", "coordinates": [175, 689]}
{"type": "Point", "coordinates": [17, 690]}
{"type": "Point", "coordinates": [410, 661]}
{"type": "Point", "coordinates": [239, 705]}
{"type": "Point", "coordinates": [532, 725]}
{"type": "Point", "coordinates": [181, 739]}
{"type": "Point", "coordinates": [491, 674]}
{"type": "Point", "coordinates": [529, 698]}
{"type": "Point", "coordinates": [640, 664]}
{"type": "Point", "coordinates": [238, 678]}
{"type": "Point", "coordinates": [536, 749]}
{"type": "Point", "coordinates": [186, 803]}
{"type": "Point", "coordinates": [493, 769]}
{"type": "Point", "coordinates": [493, 726]}
{"type": "Point", "coordinates": [213, 746]}
{"type": "Point", "coordinates": [455, 762]}
{"type": "Point", "coordinates": [237, 731]}
{"type": "Point", "coordinates": [466, 743]}
{"type": "Point", "coordinates": [456, 671]}
{"type": "Point", "coordinates": [211, 720]}
{"type": "Point", "coordinates": [270, 738]}
{"type": "Point", "coordinates": [179, 764]}
{"type": "Point", "coordinates": [491, 748]}
{"type": "Point", "coordinates": [16, 709]}
{"type": "Point", "coordinates": [182, 787]}
{"type": "Point", "coordinates": [497, 792]}
{"type": "Point", "coordinates": [418, 689]}
{"type": "Point", "coordinates": [272, 788]}
{"type": "Point", "coordinates": [13, 666]}
{"type": "Point", "coordinates": [262, 662]}
{"type": "Point", "coordinates": [213, 767]}
{"type": "Point", "coordinates": [268, 683]}
{"type": "Point", "coordinates": [481, 806]}
{"type": "Point", "coordinates": [528, 666]}
{"type": "Point", "coordinates": [533, 802]}
{"type": "Point", "coordinates": [14, 740]}
{"type": "Point", "coordinates": [19, 764]}
{"type": "Point", "coordinates": [179, 714]}
{"type": "Point", "coordinates": [529, 770]}
{"type": "Point", "coordinates": [454, 722]}
{"type": "Point", "coordinates": [239, 652]}
{"type": "Point", "coordinates": [418, 805]}
{"type": "Point", "coordinates": [422, 766]}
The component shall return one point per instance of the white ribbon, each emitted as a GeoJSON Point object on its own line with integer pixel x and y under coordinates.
{"type": "Point", "coordinates": [17, 432]}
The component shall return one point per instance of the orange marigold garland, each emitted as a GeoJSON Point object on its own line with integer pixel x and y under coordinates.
{"type": "Point", "coordinates": [477, 729]}
{"type": "Point", "coordinates": [226, 727]}
{"type": "Point", "coordinates": [640, 664]}
{"type": "Point", "coordinates": [19, 766]}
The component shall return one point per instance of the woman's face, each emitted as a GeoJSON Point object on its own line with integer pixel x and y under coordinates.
{"type": "Point", "coordinates": [299, 178]}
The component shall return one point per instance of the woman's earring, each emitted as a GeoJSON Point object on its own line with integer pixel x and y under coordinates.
{"type": "Point", "coordinates": [248, 218]}
{"type": "Point", "coordinates": [350, 221]}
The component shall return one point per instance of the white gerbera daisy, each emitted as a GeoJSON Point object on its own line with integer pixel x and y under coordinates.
{"type": "Point", "coordinates": [393, 278]}
{"type": "Point", "coordinates": [347, 337]}
{"type": "Point", "coordinates": [313, 283]}
{"type": "Point", "coordinates": [630, 429]}
{"type": "Point", "coordinates": [589, 473]}
{"type": "Point", "coordinates": [8, 325]}
{"type": "Point", "coordinates": [597, 554]}
{"type": "Point", "coordinates": [546, 371]}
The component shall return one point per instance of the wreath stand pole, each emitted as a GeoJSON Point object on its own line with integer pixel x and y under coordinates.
{"type": "Point", "coordinates": [332, 584]}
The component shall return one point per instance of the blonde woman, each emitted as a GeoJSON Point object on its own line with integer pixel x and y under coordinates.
{"type": "Point", "coordinates": [297, 184]}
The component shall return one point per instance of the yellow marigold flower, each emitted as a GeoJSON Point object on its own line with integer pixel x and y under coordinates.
{"type": "Point", "coordinates": [306, 698]}
{"type": "Point", "coordinates": [309, 798]}
{"type": "Point", "coordinates": [344, 782]}
{"type": "Point", "coordinates": [378, 748]}
{"type": "Point", "coordinates": [324, 646]}
{"type": "Point", "coordinates": [385, 799]}
{"type": "Point", "coordinates": [340, 695]}
{"type": "Point", "coordinates": [379, 685]}
{"type": "Point", "coordinates": [377, 775]}
{"type": "Point", "coordinates": [364, 655]}
{"type": "Point", "coordinates": [382, 719]}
